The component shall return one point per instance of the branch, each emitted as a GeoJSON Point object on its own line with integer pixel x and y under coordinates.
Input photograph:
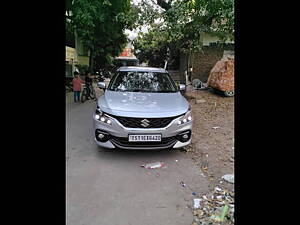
{"type": "Point", "coordinates": [164, 4]}
{"type": "Point", "coordinates": [153, 2]}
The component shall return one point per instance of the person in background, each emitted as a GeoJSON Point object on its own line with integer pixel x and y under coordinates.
{"type": "Point", "coordinates": [77, 86]}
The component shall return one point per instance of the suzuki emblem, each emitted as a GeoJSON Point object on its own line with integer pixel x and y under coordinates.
{"type": "Point", "coordinates": [145, 123]}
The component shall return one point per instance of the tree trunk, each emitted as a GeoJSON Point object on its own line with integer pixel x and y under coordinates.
{"type": "Point", "coordinates": [164, 4]}
{"type": "Point", "coordinates": [183, 67]}
{"type": "Point", "coordinates": [190, 65]}
{"type": "Point", "coordinates": [91, 61]}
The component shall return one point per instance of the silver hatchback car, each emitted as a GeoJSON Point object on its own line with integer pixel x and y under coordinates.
{"type": "Point", "coordinates": [142, 108]}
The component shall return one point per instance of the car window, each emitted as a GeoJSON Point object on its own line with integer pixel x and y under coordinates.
{"type": "Point", "coordinates": [134, 81]}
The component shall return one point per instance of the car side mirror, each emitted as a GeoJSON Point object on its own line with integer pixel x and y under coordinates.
{"type": "Point", "coordinates": [182, 87]}
{"type": "Point", "coordinates": [101, 85]}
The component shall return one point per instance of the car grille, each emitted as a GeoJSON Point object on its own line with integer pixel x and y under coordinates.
{"type": "Point", "coordinates": [123, 142]}
{"type": "Point", "coordinates": [131, 122]}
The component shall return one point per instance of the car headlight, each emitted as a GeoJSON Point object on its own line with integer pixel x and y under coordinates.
{"type": "Point", "coordinates": [102, 117]}
{"type": "Point", "coordinates": [186, 118]}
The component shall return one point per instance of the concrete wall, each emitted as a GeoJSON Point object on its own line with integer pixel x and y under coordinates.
{"type": "Point", "coordinates": [71, 54]}
{"type": "Point", "coordinates": [175, 75]}
{"type": "Point", "coordinates": [83, 60]}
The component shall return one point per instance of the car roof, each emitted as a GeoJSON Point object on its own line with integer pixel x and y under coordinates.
{"type": "Point", "coordinates": [142, 68]}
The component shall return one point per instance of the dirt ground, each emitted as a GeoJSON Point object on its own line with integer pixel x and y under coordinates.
{"type": "Point", "coordinates": [212, 147]}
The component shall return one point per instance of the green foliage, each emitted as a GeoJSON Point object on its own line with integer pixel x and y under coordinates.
{"type": "Point", "coordinates": [152, 46]}
{"type": "Point", "coordinates": [145, 13]}
{"type": "Point", "coordinates": [184, 21]}
{"type": "Point", "coordinates": [70, 38]}
{"type": "Point", "coordinates": [100, 25]}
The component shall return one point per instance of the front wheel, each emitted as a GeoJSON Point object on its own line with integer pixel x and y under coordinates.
{"type": "Point", "coordinates": [92, 93]}
{"type": "Point", "coordinates": [83, 96]}
{"type": "Point", "coordinates": [229, 93]}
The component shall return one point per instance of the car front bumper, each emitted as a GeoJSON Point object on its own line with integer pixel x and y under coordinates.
{"type": "Point", "coordinates": [118, 135]}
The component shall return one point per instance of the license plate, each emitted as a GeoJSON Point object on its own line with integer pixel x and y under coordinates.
{"type": "Point", "coordinates": [144, 138]}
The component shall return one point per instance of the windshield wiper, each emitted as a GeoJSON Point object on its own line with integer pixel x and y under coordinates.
{"type": "Point", "coordinates": [139, 90]}
{"type": "Point", "coordinates": [167, 91]}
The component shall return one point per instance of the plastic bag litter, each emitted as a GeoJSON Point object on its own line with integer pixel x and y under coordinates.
{"type": "Point", "coordinates": [199, 85]}
{"type": "Point", "coordinates": [197, 203]}
{"type": "Point", "coordinates": [200, 101]}
{"type": "Point", "coordinates": [218, 189]}
{"type": "Point", "coordinates": [155, 165]}
{"type": "Point", "coordinates": [229, 178]}
{"type": "Point", "coordinates": [182, 184]}
{"type": "Point", "coordinates": [221, 217]}
{"type": "Point", "coordinates": [214, 211]}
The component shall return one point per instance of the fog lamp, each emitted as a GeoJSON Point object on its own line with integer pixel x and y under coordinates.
{"type": "Point", "coordinates": [185, 136]}
{"type": "Point", "coordinates": [101, 136]}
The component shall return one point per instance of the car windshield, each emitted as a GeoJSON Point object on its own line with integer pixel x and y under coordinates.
{"type": "Point", "coordinates": [140, 81]}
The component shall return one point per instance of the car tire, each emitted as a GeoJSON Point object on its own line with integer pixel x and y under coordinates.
{"type": "Point", "coordinates": [83, 96]}
{"type": "Point", "coordinates": [93, 94]}
{"type": "Point", "coordinates": [229, 93]}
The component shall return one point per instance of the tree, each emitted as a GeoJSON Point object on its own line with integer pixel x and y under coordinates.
{"type": "Point", "coordinates": [190, 19]}
{"type": "Point", "coordinates": [184, 21]}
{"type": "Point", "coordinates": [100, 25]}
{"type": "Point", "coordinates": [152, 47]}
{"type": "Point", "coordinates": [70, 38]}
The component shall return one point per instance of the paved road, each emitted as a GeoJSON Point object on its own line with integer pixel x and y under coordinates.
{"type": "Point", "coordinates": [110, 187]}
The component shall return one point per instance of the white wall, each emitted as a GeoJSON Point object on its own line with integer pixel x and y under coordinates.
{"type": "Point", "coordinates": [207, 39]}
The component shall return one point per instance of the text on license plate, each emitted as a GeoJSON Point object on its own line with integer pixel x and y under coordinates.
{"type": "Point", "coordinates": [144, 137]}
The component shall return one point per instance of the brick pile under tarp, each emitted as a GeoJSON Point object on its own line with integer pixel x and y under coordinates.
{"type": "Point", "coordinates": [222, 75]}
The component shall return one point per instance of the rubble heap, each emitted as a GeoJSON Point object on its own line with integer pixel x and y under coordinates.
{"type": "Point", "coordinates": [217, 208]}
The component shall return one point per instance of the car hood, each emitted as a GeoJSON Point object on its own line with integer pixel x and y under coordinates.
{"type": "Point", "coordinates": [143, 105]}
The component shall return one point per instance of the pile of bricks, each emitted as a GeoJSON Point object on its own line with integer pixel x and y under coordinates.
{"type": "Point", "coordinates": [222, 75]}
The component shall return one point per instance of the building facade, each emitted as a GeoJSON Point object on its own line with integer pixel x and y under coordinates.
{"type": "Point", "coordinates": [71, 61]}
{"type": "Point", "coordinates": [200, 63]}
{"type": "Point", "coordinates": [78, 56]}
